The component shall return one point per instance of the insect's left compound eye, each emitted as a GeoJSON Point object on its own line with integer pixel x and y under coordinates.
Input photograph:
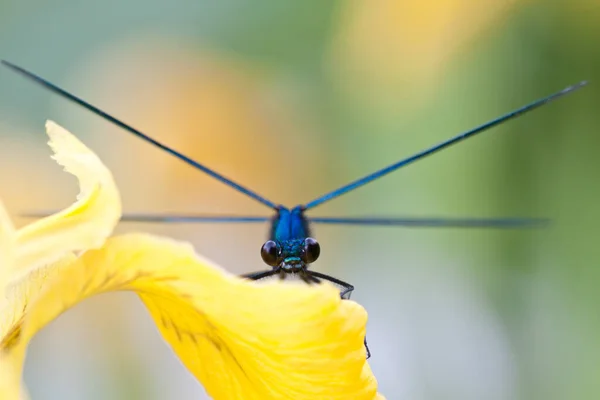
{"type": "Point", "coordinates": [311, 250]}
{"type": "Point", "coordinates": [270, 253]}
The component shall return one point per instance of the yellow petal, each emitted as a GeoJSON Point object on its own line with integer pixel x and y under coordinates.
{"type": "Point", "coordinates": [87, 223]}
{"type": "Point", "coordinates": [18, 295]}
{"type": "Point", "coordinates": [242, 340]}
{"type": "Point", "coordinates": [10, 382]}
{"type": "Point", "coordinates": [7, 239]}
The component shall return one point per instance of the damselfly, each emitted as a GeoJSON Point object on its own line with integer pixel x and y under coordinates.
{"type": "Point", "coordinates": [290, 248]}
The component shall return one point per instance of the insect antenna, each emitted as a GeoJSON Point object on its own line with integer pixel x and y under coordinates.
{"type": "Point", "coordinates": [110, 118]}
{"type": "Point", "coordinates": [422, 154]}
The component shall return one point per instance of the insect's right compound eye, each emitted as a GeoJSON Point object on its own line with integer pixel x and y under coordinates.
{"type": "Point", "coordinates": [270, 253]}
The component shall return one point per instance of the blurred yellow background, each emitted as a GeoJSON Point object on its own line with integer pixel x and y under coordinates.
{"type": "Point", "coordinates": [293, 99]}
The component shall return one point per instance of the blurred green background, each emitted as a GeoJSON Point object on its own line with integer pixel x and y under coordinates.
{"type": "Point", "coordinates": [296, 98]}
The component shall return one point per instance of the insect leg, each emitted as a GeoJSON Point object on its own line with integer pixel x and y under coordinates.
{"type": "Point", "coordinates": [308, 278]}
{"type": "Point", "coordinates": [367, 348]}
{"type": "Point", "coordinates": [348, 288]}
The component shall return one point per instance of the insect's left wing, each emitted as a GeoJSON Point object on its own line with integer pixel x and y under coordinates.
{"type": "Point", "coordinates": [427, 222]}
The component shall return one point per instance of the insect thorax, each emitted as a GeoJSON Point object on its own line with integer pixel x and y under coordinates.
{"type": "Point", "coordinates": [289, 225]}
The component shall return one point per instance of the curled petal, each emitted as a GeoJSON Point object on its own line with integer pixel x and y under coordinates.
{"type": "Point", "coordinates": [242, 340]}
{"type": "Point", "coordinates": [84, 225]}
{"type": "Point", "coordinates": [36, 254]}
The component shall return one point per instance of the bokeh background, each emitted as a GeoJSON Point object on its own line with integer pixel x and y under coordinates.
{"type": "Point", "coordinates": [296, 98]}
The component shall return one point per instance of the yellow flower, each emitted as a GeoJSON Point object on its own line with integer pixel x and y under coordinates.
{"type": "Point", "coordinates": [241, 339]}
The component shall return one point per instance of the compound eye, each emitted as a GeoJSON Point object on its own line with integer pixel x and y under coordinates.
{"type": "Point", "coordinates": [270, 253]}
{"type": "Point", "coordinates": [311, 250]}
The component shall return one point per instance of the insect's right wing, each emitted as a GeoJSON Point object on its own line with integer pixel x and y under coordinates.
{"type": "Point", "coordinates": [156, 218]}
{"type": "Point", "coordinates": [171, 218]}
{"type": "Point", "coordinates": [434, 222]}
{"type": "Point", "coordinates": [423, 222]}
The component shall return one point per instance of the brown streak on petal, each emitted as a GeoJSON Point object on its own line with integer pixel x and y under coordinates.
{"type": "Point", "coordinates": [192, 338]}
{"type": "Point", "coordinates": [177, 332]}
{"type": "Point", "coordinates": [164, 321]}
{"type": "Point", "coordinates": [12, 337]}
